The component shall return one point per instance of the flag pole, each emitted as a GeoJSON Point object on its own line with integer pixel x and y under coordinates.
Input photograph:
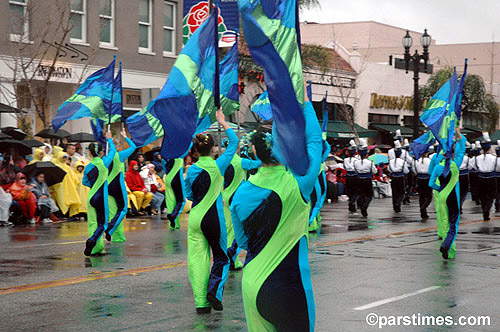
{"type": "Point", "coordinates": [216, 77]}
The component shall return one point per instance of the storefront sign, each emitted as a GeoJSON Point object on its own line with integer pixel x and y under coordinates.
{"type": "Point", "coordinates": [393, 102]}
{"type": "Point", "coordinates": [338, 81]}
{"type": "Point", "coordinates": [58, 71]}
{"type": "Point", "coordinates": [132, 98]}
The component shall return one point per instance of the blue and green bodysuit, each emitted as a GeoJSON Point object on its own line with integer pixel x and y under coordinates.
{"type": "Point", "coordinates": [318, 194]}
{"type": "Point", "coordinates": [118, 193]}
{"type": "Point", "coordinates": [449, 197]}
{"type": "Point", "coordinates": [235, 174]}
{"type": "Point", "coordinates": [270, 214]}
{"type": "Point", "coordinates": [95, 176]}
{"type": "Point", "coordinates": [207, 226]}
{"type": "Point", "coordinates": [175, 197]}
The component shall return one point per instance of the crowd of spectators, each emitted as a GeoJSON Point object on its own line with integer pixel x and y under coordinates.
{"type": "Point", "coordinates": [28, 199]}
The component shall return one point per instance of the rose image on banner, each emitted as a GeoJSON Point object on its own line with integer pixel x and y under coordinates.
{"type": "Point", "coordinates": [196, 12]}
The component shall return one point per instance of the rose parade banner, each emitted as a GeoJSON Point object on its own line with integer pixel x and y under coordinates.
{"type": "Point", "coordinates": [196, 12]}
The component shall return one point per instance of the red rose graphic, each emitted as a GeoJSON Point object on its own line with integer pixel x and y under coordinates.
{"type": "Point", "coordinates": [197, 15]}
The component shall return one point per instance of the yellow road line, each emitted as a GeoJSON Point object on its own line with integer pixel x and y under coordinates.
{"type": "Point", "coordinates": [77, 280]}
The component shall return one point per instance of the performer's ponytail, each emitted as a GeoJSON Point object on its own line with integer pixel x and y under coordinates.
{"type": "Point", "coordinates": [203, 144]}
{"type": "Point", "coordinates": [95, 149]}
{"type": "Point", "coordinates": [263, 143]}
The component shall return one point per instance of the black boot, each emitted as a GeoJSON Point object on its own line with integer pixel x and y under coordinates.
{"type": "Point", "coordinates": [423, 214]}
{"type": "Point", "coordinates": [216, 304]}
{"type": "Point", "coordinates": [89, 245]}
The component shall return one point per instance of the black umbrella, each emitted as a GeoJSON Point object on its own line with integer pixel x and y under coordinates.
{"type": "Point", "coordinates": [149, 155]}
{"type": "Point", "coordinates": [50, 133]}
{"type": "Point", "coordinates": [32, 143]}
{"type": "Point", "coordinates": [14, 132]}
{"type": "Point", "coordinates": [81, 137]}
{"type": "Point", "coordinates": [53, 174]}
{"type": "Point", "coordinates": [21, 148]}
{"type": "Point", "coordinates": [5, 136]}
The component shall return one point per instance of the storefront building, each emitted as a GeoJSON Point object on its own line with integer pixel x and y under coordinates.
{"type": "Point", "coordinates": [55, 47]}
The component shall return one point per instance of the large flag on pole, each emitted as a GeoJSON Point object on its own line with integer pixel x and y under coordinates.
{"type": "Point", "coordinates": [440, 116]}
{"type": "Point", "coordinates": [92, 99]}
{"type": "Point", "coordinates": [188, 93]}
{"type": "Point", "coordinates": [229, 90]}
{"type": "Point", "coordinates": [271, 35]}
{"type": "Point", "coordinates": [145, 128]}
{"type": "Point", "coordinates": [116, 110]}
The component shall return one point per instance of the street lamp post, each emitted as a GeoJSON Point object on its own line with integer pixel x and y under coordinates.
{"type": "Point", "coordinates": [425, 41]}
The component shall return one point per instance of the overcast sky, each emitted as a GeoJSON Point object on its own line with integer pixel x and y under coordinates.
{"type": "Point", "coordinates": [447, 21]}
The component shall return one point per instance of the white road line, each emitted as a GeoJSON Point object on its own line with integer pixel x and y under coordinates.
{"type": "Point", "coordinates": [396, 298]}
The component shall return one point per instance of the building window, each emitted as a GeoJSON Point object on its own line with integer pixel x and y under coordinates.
{"type": "Point", "coordinates": [107, 22]}
{"type": "Point", "coordinates": [145, 25]}
{"type": "Point", "coordinates": [19, 27]}
{"type": "Point", "coordinates": [78, 21]}
{"type": "Point", "coordinates": [383, 118]}
{"type": "Point", "coordinates": [169, 11]}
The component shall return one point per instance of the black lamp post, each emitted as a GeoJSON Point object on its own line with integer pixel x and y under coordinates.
{"type": "Point", "coordinates": [425, 40]}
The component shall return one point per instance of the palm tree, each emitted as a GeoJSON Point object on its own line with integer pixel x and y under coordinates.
{"type": "Point", "coordinates": [308, 4]}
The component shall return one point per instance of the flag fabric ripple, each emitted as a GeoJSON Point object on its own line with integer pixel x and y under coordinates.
{"type": "Point", "coordinates": [92, 99]}
{"type": "Point", "coordinates": [271, 35]}
{"type": "Point", "coordinates": [188, 93]}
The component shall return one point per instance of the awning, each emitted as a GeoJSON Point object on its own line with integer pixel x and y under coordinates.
{"type": "Point", "coordinates": [341, 129]}
{"type": "Point", "coordinates": [389, 128]}
{"type": "Point", "coordinates": [9, 109]}
{"type": "Point", "coordinates": [495, 136]}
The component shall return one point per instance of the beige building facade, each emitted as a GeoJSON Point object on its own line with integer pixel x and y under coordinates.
{"type": "Point", "coordinates": [145, 35]}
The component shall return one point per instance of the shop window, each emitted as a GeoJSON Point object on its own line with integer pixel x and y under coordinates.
{"type": "Point", "coordinates": [382, 118]}
{"type": "Point", "coordinates": [145, 26]}
{"type": "Point", "coordinates": [78, 21]}
{"type": "Point", "coordinates": [19, 25]}
{"type": "Point", "coordinates": [169, 10]}
{"type": "Point", "coordinates": [107, 22]}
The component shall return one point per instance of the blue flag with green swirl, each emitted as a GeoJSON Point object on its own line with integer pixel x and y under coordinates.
{"type": "Point", "coordinates": [271, 32]}
{"type": "Point", "coordinates": [93, 99]}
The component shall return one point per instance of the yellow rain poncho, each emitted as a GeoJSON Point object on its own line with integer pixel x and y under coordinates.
{"type": "Point", "coordinates": [83, 191]}
{"type": "Point", "coordinates": [65, 193]}
{"type": "Point", "coordinates": [37, 155]}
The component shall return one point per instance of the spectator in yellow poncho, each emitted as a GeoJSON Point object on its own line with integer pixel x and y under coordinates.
{"type": "Point", "coordinates": [37, 155]}
{"type": "Point", "coordinates": [65, 193]}
{"type": "Point", "coordinates": [83, 191]}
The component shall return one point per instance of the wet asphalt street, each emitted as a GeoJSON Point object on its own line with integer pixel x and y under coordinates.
{"type": "Point", "coordinates": [387, 264]}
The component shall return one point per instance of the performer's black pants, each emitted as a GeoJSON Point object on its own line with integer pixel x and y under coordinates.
{"type": "Point", "coordinates": [398, 185]}
{"type": "Point", "coordinates": [365, 192]}
{"type": "Point", "coordinates": [424, 193]}
{"type": "Point", "coordinates": [351, 191]}
{"type": "Point", "coordinates": [487, 194]}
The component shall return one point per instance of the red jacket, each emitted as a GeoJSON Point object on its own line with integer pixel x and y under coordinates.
{"type": "Point", "coordinates": [133, 178]}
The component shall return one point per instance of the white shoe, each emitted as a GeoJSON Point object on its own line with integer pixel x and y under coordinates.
{"type": "Point", "coordinates": [32, 221]}
{"type": "Point", "coordinates": [46, 221]}
{"type": "Point", "coordinates": [164, 211]}
{"type": "Point", "coordinates": [329, 201]}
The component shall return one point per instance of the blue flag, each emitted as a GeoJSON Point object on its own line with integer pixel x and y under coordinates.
{"type": "Point", "coordinates": [421, 145]}
{"type": "Point", "coordinates": [92, 99]}
{"type": "Point", "coordinates": [188, 93]}
{"type": "Point", "coordinates": [439, 114]}
{"type": "Point", "coordinates": [262, 107]}
{"type": "Point", "coordinates": [116, 109]}
{"type": "Point", "coordinates": [270, 31]}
